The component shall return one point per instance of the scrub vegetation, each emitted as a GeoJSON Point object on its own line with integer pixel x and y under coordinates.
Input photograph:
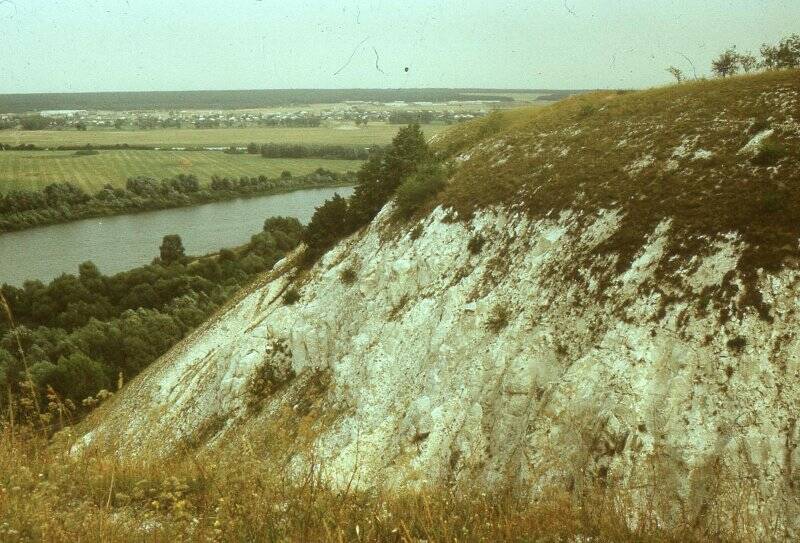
{"type": "Point", "coordinates": [709, 157]}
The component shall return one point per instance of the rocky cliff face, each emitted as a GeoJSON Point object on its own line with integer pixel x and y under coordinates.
{"type": "Point", "coordinates": [506, 348]}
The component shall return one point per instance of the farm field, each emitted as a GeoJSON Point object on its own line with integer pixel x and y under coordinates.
{"type": "Point", "coordinates": [34, 170]}
{"type": "Point", "coordinates": [374, 133]}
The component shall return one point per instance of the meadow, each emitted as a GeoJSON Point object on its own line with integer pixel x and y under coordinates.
{"type": "Point", "coordinates": [374, 133]}
{"type": "Point", "coordinates": [33, 170]}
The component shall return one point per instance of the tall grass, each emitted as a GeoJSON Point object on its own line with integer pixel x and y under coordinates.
{"type": "Point", "coordinates": [46, 495]}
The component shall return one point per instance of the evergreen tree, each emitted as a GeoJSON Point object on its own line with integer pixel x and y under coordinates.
{"type": "Point", "coordinates": [171, 249]}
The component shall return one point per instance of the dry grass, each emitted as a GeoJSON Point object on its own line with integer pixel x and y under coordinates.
{"type": "Point", "coordinates": [246, 496]}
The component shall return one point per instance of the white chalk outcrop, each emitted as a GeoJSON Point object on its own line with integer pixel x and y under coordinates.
{"type": "Point", "coordinates": [426, 363]}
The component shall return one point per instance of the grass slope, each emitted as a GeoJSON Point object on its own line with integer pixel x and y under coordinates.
{"type": "Point", "coordinates": [35, 169]}
{"type": "Point", "coordinates": [245, 495]}
{"type": "Point", "coordinates": [678, 153]}
{"type": "Point", "coordinates": [375, 133]}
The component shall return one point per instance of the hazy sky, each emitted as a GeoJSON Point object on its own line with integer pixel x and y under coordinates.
{"type": "Point", "coordinates": [94, 45]}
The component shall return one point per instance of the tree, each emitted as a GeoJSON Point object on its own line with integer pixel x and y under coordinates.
{"type": "Point", "coordinates": [786, 54]}
{"type": "Point", "coordinates": [119, 123]}
{"type": "Point", "coordinates": [80, 126]}
{"type": "Point", "coordinates": [677, 73]}
{"type": "Point", "coordinates": [78, 376]}
{"type": "Point", "coordinates": [34, 122]}
{"type": "Point", "coordinates": [747, 62]}
{"type": "Point", "coordinates": [171, 249]}
{"type": "Point", "coordinates": [727, 63]}
{"type": "Point", "coordinates": [417, 188]}
{"type": "Point", "coordinates": [383, 172]}
{"type": "Point", "coordinates": [327, 225]}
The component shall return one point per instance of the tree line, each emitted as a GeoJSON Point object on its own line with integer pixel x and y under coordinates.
{"type": "Point", "coordinates": [81, 334]}
{"type": "Point", "coordinates": [298, 150]}
{"type": "Point", "coordinates": [407, 169]}
{"type": "Point", "coordinates": [781, 56]}
{"type": "Point", "coordinates": [61, 202]}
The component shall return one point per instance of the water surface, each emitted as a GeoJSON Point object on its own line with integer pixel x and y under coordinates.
{"type": "Point", "coordinates": [123, 242]}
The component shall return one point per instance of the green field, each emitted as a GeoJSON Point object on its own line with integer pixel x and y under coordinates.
{"type": "Point", "coordinates": [35, 169]}
{"type": "Point", "coordinates": [375, 133]}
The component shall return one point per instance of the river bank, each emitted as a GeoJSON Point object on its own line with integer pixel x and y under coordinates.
{"type": "Point", "coordinates": [122, 242]}
{"type": "Point", "coordinates": [21, 210]}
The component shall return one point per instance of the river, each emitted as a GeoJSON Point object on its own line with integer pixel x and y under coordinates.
{"type": "Point", "coordinates": [123, 242]}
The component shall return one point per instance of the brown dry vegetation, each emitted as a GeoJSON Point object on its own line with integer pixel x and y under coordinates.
{"type": "Point", "coordinates": [622, 151]}
{"type": "Point", "coordinates": [246, 495]}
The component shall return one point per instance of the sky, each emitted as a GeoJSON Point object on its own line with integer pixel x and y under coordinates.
{"type": "Point", "coordinates": [140, 45]}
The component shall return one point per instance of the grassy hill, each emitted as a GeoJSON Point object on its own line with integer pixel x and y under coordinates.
{"type": "Point", "coordinates": [710, 157]}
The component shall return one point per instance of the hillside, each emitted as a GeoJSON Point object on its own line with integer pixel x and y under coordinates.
{"type": "Point", "coordinates": [603, 296]}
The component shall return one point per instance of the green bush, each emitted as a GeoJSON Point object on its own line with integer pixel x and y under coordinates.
{"type": "Point", "coordinates": [476, 244]}
{"type": "Point", "coordinates": [587, 110]}
{"type": "Point", "coordinates": [419, 187]}
{"type": "Point", "coordinates": [292, 296]}
{"type": "Point", "coordinates": [498, 319]}
{"type": "Point", "coordinates": [769, 153]}
{"type": "Point", "coordinates": [348, 276]}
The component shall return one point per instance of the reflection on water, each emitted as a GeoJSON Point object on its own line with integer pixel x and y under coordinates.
{"type": "Point", "coordinates": [120, 243]}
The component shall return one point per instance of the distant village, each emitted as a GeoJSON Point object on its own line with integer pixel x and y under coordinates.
{"type": "Point", "coordinates": [358, 113]}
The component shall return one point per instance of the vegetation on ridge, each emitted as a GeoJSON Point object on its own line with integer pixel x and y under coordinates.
{"type": "Point", "coordinates": [711, 157]}
{"type": "Point", "coordinates": [378, 180]}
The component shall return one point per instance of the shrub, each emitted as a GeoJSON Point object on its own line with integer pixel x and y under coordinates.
{"type": "Point", "coordinates": [769, 153]}
{"type": "Point", "coordinates": [759, 125]}
{"type": "Point", "coordinates": [420, 186]}
{"type": "Point", "coordinates": [774, 201]}
{"type": "Point", "coordinates": [586, 111]}
{"type": "Point", "coordinates": [227, 255]}
{"type": "Point", "coordinates": [476, 244]}
{"type": "Point", "coordinates": [348, 276]}
{"type": "Point", "coordinates": [737, 344]}
{"type": "Point", "coordinates": [498, 319]}
{"type": "Point", "coordinates": [292, 296]}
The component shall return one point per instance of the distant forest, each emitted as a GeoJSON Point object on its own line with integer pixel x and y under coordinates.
{"type": "Point", "coordinates": [238, 99]}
